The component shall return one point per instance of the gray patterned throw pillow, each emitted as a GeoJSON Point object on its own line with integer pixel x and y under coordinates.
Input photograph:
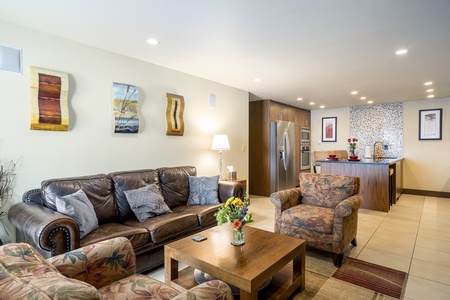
{"type": "Point", "coordinates": [78, 207]}
{"type": "Point", "coordinates": [147, 202]}
{"type": "Point", "coordinates": [203, 190]}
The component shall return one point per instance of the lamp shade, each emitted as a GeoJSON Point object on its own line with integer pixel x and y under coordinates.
{"type": "Point", "coordinates": [220, 142]}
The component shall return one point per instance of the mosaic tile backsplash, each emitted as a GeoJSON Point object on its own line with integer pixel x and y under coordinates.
{"type": "Point", "coordinates": [378, 123]}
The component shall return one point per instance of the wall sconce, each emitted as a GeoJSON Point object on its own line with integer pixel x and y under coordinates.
{"type": "Point", "coordinates": [10, 59]}
{"type": "Point", "coordinates": [220, 142]}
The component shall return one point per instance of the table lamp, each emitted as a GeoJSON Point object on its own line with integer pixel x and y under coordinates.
{"type": "Point", "coordinates": [220, 142]}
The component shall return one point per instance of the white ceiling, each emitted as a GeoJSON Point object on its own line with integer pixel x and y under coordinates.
{"type": "Point", "coordinates": [319, 50]}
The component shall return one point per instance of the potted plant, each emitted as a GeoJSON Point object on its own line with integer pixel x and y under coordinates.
{"type": "Point", "coordinates": [6, 187]}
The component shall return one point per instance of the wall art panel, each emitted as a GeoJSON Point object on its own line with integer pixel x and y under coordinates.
{"type": "Point", "coordinates": [49, 99]}
{"type": "Point", "coordinates": [125, 108]}
{"type": "Point", "coordinates": [174, 114]}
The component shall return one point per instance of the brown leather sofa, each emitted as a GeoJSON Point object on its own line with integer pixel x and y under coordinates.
{"type": "Point", "coordinates": [39, 224]}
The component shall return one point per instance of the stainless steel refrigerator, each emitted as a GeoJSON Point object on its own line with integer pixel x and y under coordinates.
{"type": "Point", "coordinates": [282, 156]}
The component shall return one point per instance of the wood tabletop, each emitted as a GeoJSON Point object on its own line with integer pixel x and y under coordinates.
{"type": "Point", "coordinates": [246, 267]}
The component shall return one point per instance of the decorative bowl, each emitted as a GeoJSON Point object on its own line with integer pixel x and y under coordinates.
{"type": "Point", "coordinates": [353, 156]}
{"type": "Point", "coordinates": [332, 156]}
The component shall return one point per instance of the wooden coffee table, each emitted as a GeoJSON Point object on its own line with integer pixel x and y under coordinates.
{"type": "Point", "coordinates": [246, 267]}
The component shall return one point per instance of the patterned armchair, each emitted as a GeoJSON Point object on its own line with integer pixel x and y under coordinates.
{"type": "Point", "coordinates": [323, 211]}
{"type": "Point", "coordinates": [104, 270]}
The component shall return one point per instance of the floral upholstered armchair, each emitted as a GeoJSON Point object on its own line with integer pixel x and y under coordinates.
{"type": "Point", "coordinates": [323, 210]}
{"type": "Point", "coordinates": [104, 270]}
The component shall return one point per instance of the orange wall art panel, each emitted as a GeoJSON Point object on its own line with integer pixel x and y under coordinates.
{"type": "Point", "coordinates": [48, 96]}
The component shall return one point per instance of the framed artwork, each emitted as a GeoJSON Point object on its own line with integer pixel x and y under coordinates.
{"type": "Point", "coordinates": [125, 106]}
{"type": "Point", "coordinates": [329, 129]}
{"type": "Point", "coordinates": [430, 124]}
{"type": "Point", "coordinates": [49, 91]}
{"type": "Point", "coordinates": [174, 114]}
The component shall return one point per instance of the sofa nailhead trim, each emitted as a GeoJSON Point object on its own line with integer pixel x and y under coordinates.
{"type": "Point", "coordinates": [52, 241]}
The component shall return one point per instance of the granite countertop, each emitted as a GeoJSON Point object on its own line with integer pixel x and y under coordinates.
{"type": "Point", "coordinates": [379, 160]}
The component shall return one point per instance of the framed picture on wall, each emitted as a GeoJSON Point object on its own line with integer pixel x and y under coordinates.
{"type": "Point", "coordinates": [329, 125]}
{"type": "Point", "coordinates": [430, 124]}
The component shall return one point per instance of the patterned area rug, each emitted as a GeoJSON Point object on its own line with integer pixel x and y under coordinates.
{"type": "Point", "coordinates": [380, 279]}
{"type": "Point", "coordinates": [356, 279]}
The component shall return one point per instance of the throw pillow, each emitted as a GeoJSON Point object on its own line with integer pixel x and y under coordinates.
{"type": "Point", "coordinates": [78, 207]}
{"type": "Point", "coordinates": [203, 190]}
{"type": "Point", "coordinates": [147, 202]}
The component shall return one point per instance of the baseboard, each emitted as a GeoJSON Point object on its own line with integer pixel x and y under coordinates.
{"type": "Point", "coordinates": [426, 193]}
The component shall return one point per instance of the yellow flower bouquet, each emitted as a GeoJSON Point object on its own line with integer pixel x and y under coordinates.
{"type": "Point", "coordinates": [235, 212]}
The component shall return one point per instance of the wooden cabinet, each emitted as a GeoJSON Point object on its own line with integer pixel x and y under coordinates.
{"type": "Point", "coordinates": [261, 113]}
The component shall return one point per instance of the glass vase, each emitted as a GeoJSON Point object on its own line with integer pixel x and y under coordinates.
{"type": "Point", "coordinates": [238, 236]}
{"type": "Point", "coordinates": [352, 151]}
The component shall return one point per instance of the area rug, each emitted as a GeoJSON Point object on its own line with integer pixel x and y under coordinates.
{"type": "Point", "coordinates": [377, 278]}
{"type": "Point", "coordinates": [356, 279]}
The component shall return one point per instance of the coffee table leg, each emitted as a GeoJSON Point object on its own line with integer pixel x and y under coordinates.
{"type": "Point", "coordinates": [299, 269]}
{"type": "Point", "coordinates": [170, 270]}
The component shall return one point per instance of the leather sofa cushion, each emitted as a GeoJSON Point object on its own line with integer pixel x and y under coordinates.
{"type": "Point", "coordinates": [138, 236]}
{"type": "Point", "coordinates": [167, 227]}
{"type": "Point", "coordinates": [130, 180]}
{"type": "Point", "coordinates": [175, 184]}
{"type": "Point", "coordinates": [205, 213]}
{"type": "Point", "coordinates": [98, 189]}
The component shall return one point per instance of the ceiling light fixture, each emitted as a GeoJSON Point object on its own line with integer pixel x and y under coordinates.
{"type": "Point", "coordinates": [363, 98]}
{"type": "Point", "coordinates": [428, 83]}
{"type": "Point", "coordinates": [299, 99]}
{"type": "Point", "coordinates": [354, 92]}
{"type": "Point", "coordinates": [401, 51]}
{"type": "Point", "coordinates": [322, 106]}
{"type": "Point", "coordinates": [153, 41]}
{"type": "Point", "coordinates": [430, 90]}
{"type": "Point", "coordinates": [370, 101]}
{"type": "Point", "coordinates": [430, 96]}
{"type": "Point", "coordinates": [311, 103]}
{"type": "Point", "coordinates": [257, 80]}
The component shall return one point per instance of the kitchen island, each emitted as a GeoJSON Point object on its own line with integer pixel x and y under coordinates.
{"type": "Point", "coordinates": [381, 179]}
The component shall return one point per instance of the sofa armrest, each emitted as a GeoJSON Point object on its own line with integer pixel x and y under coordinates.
{"type": "Point", "coordinates": [49, 231]}
{"type": "Point", "coordinates": [214, 289]}
{"type": "Point", "coordinates": [98, 264]}
{"type": "Point", "coordinates": [348, 206]}
{"type": "Point", "coordinates": [228, 189]}
{"type": "Point", "coordinates": [284, 200]}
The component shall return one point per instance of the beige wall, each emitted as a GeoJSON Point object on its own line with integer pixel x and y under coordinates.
{"type": "Point", "coordinates": [90, 146]}
{"type": "Point", "coordinates": [425, 167]}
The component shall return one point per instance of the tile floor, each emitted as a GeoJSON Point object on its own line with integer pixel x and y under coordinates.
{"type": "Point", "coordinates": [414, 237]}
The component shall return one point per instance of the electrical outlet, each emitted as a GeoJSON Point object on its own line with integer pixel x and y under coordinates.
{"type": "Point", "coordinates": [386, 147]}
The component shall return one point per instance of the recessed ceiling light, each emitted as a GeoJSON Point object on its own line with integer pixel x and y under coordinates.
{"type": "Point", "coordinates": [257, 80]}
{"type": "Point", "coordinates": [311, 103]}
{"type": "Point", "coordinates": [430, 96]}
{"type": "Point", "coordinates": [430, 90]}
{"type": "Point", "coordinates": [363, 98]}
{"type": "Point", "coordinates": [322, 106]}
{"type": "Point", "coordinates": [299, 99]}
{"type": "Point", "coordinates": [401, 51]}
{"type": "Point", "coordinates": [370, 101]}
{"type": "Point", "coordinates": [153, 41]}
{"type": "Point", "coordinates": [428, 83]}
{"type": "Point", "coordinates": [354, 92]}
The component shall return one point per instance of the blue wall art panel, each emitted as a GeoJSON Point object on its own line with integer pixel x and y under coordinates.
{"type": "Point", "coordinates": [125, 108]}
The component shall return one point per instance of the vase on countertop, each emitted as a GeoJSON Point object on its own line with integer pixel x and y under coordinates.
{"type": "Point", "coordinates": [352, 151]}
